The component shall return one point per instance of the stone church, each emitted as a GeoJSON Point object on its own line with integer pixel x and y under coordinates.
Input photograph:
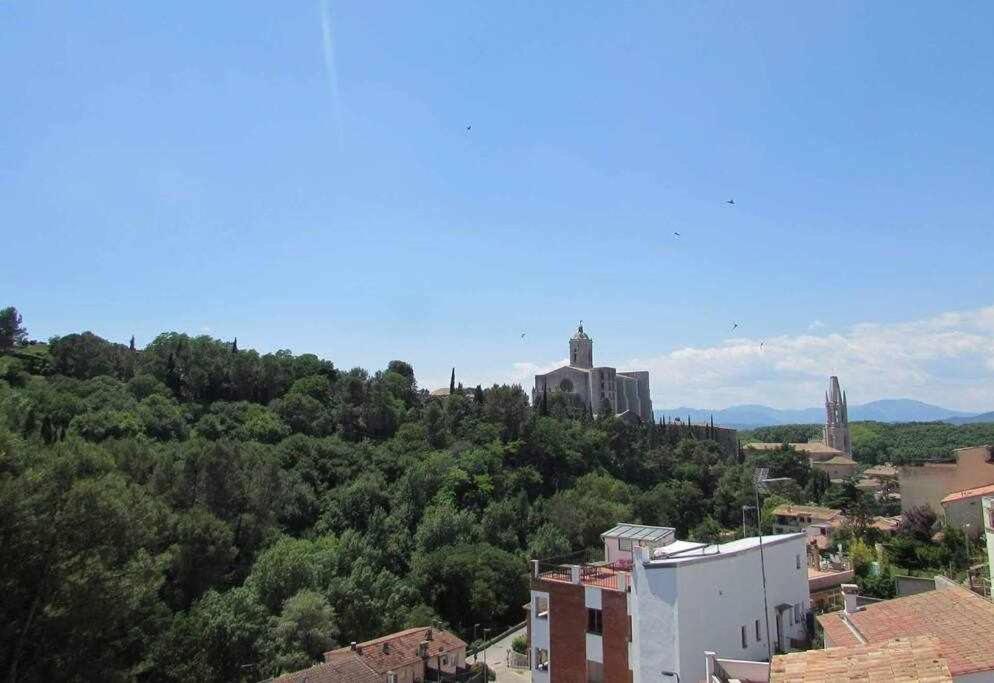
{"type": "Point", "coordinates": [626, 392]}
{"type": "Point", "coordinates": [837, 418]}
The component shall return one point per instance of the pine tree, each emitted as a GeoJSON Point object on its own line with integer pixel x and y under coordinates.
{"type": "Point", "coordinates": [452, 382]}
{"type": "Point", "coordinates": [234, 346]}
{"type": "Point", "coordinates": [131, 345]}
{"type": "Point", "coordinates": [478, 394]}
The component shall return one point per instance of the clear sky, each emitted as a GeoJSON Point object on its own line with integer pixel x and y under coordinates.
{"type": "Point", "coordinates": [300, 176]}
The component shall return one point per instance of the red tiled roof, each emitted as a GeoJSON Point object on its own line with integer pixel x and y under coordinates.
{"type": "Point", "coordinates": [349, 670]}
{"type": "Point", "coordinates": [970, 493]}
{"type": "Point", "coordinates": [902, 660]}
{"type": "Point", "coordinates": [960, 619]}
{"type": "Point", "coordinates": [398, 649]}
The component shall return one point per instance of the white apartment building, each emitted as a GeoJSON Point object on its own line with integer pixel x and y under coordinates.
{"type": "Point", "coordinates": [593, 623]}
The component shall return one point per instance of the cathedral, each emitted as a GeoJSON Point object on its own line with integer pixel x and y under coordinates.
{"type": "Point", "coordinates": [626, 392]}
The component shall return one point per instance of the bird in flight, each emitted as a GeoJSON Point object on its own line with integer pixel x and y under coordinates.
{"type": "Point", "coordinates": [469, 128]}
{"type": "Point", "coordinates": [522, 335]}
{"type": "Point", "coordinates": [761, 345]}
{"type": "Point", "coordinates": [734, 326]}
{"type": "Point", "coordinates": [730, 201]}
{"type": "Point", "coordinates": [677, 234]}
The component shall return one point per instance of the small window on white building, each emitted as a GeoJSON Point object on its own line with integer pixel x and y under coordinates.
{"type": "Point", "coordinates": [797, 561]}
{"type": "Point", "coordinates": [759, 636]}
{"type": "Point", "coordinates": [541, 607]}
{"type": "Point", "coordinates": [595, 621]}
{"type": "Point", "coordinates": [624, 544]}
{"type": "Point", "coordinates": [745, 643]}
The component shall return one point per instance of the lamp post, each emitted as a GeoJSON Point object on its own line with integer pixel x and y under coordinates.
{"type": "Point", "coordinates": [486, 671]}
{"type": "Point", "coordinates": [761, 479]}
{"type": "Point", "coordinates": [476, 655]}
{"type": "Point", "coordinates": [966, 539]}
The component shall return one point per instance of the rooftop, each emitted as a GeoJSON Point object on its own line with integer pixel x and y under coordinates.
{"type": "Point", "coordinates": [969, 493]}
{"type": "Point", "coordinates": [806, 447]}
{"type": "Point", "coordinates": [886, 471]}
{"type": "Point", "coordinates": [960, 619]}
{"type": "Point", "coordinates": [715, 552]}
{"type": "Point", "coordinates": [902, 660]}
{"type": "Point", "coordinates": [837, 460]}
{"type": "Point", "coordinates": [397, 649]}
{"type": "Point", "coordinates": [812, 511]}
{"type": "Point", "coordinates": [639, 532]}
{"type": "Point", "coordinates": [346, 671]}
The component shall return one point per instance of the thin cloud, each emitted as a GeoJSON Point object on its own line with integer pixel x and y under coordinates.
{"type": "Point", "coordinates": [331, 69]}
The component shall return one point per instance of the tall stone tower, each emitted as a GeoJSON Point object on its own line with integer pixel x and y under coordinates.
{"type": "Point", "coordinates": [837, 418]}
{"type": "Point", "coordinates": [581, 349]}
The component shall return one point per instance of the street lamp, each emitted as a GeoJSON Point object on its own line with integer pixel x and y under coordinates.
{"type": "Point", "coordinates": [761, 480]}
{"type": "Point", "coordinates": [476, 655]}
{"type": "Point", "coordinates": [674, 674]}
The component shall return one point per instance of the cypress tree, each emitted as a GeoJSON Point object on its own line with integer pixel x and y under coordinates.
{"type": "Point", "coordinates": [478, 394]}
{"type": "Point", "coordinates": [452, 382]}
{"type": "Point", "coordinates": [132, 344]}
{"type": "Point", "coordinates": [234, 346]}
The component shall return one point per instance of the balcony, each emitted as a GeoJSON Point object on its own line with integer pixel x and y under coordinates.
{"type": "Point", "coordinates": [616, 576]}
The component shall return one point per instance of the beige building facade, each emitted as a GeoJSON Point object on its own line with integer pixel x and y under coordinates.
{"type": "Point", "coordinates": [931, 483]}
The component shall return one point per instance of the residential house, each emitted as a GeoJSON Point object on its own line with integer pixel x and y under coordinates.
{"type": "Point", "coordinates": [412, 656]}
{"type": "Point", "coordinates": [964, 509]}
{"type": "Point", "coordinates": [959, 619]}
{"type": "Point", "coordinates": [917, 659]}
{"type": "Point", "coordinates": [606, 623]}
{"type": "Point", "coordinates": [928, 483]}
{"type": "Point", "coordinates": [818, 523]}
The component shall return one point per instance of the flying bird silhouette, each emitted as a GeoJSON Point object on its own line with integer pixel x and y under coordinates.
{"type": "Point", "coordinates": [522, 335]}
{"type": "Point", "coordinates": [469, 128]}
{"type": "Point", "coordinates": [734, 325]}
{"type": "Point", "coordinates": [677, 234]}
{"type": "Point", "coordinates": [730, 201]}
{"type": "Point", "coordinates": [762, 344]}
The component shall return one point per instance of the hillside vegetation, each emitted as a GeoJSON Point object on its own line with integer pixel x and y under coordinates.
{"type": "Point", "coordinates": [880, 442]}
{"type": "Point", "coordinates": [192, 511]}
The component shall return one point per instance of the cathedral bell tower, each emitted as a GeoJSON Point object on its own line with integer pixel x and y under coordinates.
{"type": "Point", "coordinates": [581, 349]}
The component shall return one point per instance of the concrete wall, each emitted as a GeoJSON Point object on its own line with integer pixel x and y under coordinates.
{"type": "Point", "coordinates": [928, 484]}
{"type": "Point", "coordinates": [959, 513]}
{"type": "Point", "coordinates": [680, 611]}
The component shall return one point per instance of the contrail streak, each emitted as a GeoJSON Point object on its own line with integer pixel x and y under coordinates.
{"type": "Point", "coordinates": [330, 69]}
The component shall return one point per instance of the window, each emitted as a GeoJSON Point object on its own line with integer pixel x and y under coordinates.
{"type": "Point", "coordinates": [541, 607]}
{"type": "Point", "coordinates": [541, 659]}
{"type": "Point", "coordinates": [595, 672]}
{"type": "Point", "coordinates": [595, 623]}
{"type": "Point", "coordinates": [797, 561]}
{"type": "Point", "coordinates": [624, 544]}
{"type": "Point", "coordinates": [759, 637]}
{"type": "Point", "coordinates": [445, 660]}
{"type": "Point", "coordinates": [745, 643]}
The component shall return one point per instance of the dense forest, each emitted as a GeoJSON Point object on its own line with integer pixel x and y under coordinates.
{"type": "Point", "coordinates": [194, 511]}
{"type": "Point", "coordinates": [880, 442]}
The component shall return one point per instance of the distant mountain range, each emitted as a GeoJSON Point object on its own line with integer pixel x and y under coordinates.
{"type": "Point", "coordinates": [884, 410]}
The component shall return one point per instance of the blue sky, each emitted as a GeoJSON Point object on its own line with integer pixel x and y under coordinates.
{"type": "Point", "coordinates": [214, 169]}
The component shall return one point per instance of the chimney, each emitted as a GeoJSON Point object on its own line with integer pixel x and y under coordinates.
{"type": "Point", "coordinates": [386, 648]}
{"type": "Point", "coordinates": [428, 634]}
{"type": "Point", "coordinates": [353, 645]}
{"type": "Point", "coordinates": [423, 649]}
{"type": "Point", "coordinates": [850, 593]}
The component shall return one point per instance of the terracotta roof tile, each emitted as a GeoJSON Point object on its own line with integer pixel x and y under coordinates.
{"type": "Point", "coordinates": [813, 511]}
{"type": "Point", "coordinates": [348, 670]}
{"type": "Point", "coordinates": [969, 493]}
{"type": "Point", "coordinates": [960, 619]}
{"type": "Point", "coordinates": [902, 660]}
{"type": "Point", "coordinates": [398, 649]}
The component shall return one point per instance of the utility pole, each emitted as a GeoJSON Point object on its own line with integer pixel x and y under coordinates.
{"type": "Point", "coordinates": [762, 479]}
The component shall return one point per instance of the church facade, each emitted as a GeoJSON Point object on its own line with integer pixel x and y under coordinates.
{"type": "Point", "coordinates": [627, 393]}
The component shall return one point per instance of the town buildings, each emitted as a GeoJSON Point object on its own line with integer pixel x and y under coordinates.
{"type": "Point", "coordinates": [625, 624]}
{"type": "Point", "coordinates": [817, 523]}
{"type": "Point", "coordinates": [988, 509]}
{"type": "Point", "coordinates": [626, 393]}
{"type": "Point", "coordinates": [959, 619]}
{"type": "Point", "coordinates": [932, 484]}
{"type": "Point", "coordinates": [410, 656]}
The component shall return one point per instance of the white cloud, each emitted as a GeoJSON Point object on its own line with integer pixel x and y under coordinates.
{"type": "Point", "coordinates": [815, 324]}
{"type": "Point", "coordinates": [947, 359]}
